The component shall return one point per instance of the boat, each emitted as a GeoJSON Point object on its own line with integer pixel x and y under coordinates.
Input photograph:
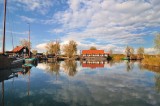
{"type": "Point", "coordinates": [125, 58]}
{"type": "Point", "coordinates": [30, 59]}
{"type": "Point", "coordinates": [5, 61]}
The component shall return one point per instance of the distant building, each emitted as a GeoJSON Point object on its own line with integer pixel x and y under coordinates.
{"type": "Point", "coordinates": [88, 53]}
{"type": "Point", "coordinates": [19, 51]}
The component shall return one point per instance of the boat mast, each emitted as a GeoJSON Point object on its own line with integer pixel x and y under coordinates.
{"type": "Point", "coordinates": [4, 27]}
{"type": "Point", "coordinates": [29, 40]}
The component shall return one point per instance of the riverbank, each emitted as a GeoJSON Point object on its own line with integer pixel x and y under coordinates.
{"type": "Point", "coordinates": [117, 57]}
{"type": "Point", "coordinates": [151, 61]}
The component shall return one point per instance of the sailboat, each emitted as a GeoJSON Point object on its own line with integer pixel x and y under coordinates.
{"type": "Point", "coordinates": [30, 60]}
{"type": "Point", "coordinates": [5, 61]}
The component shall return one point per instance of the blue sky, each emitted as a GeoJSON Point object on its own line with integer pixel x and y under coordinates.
{"type": "Point", "coordinates": [106, 24]}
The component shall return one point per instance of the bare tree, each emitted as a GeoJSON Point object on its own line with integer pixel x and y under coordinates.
{"type": "Point", "coordinates": [70, 49]}
{"type": "Point", "coordinates": [34, 52]}
{"type": "Point", "coordinates": [53, 47]}
{"type": "Point", "coordinates": [140, 51]}
{"type": "Point", "coordinates": [25, 43]}
{"type": "Point", "coordinates": [129, 51]}
{"type": "Point", "coordinates": [157, 42]}
{"type": "Point", "coordinates": [93, 48]}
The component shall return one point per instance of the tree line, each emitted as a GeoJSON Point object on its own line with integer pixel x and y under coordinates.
{"type": "Point", "coordinates": [70, 49]}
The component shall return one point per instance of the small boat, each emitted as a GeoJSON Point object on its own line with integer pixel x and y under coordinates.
{"type": "Point", "coordinates": [17, 63]}
{"type": "Point", "coordinates": [30, 61]}
{"type": "Point", "coordinates": [125, 58]}
{"type": "Point", "coordinates": [29, 65]}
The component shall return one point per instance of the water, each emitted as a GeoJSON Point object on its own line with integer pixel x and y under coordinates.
{"type": "Point", "coordinates": [79, 84]}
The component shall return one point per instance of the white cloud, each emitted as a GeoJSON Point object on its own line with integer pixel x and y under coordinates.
{"type": "Point", "coordinates": [27, 19]}
{"type": "Point", "coordinates": [56, 31]}
{"type": "Point", "coordinates": [41, 47]}
{"type": "Point", "coordinates": [108, 21]}
{"type": "Point", "coordinates": [83, 46]}
{"type": "Point", "coordinates": [107, 24]}
{"type": "Point", "coordinates": [150, 51]}
{"type": "Point", "coordinates": [40, 6]}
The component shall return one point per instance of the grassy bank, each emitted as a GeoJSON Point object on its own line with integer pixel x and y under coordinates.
{"type": "Point", "coordinates": [117, 57]}
{"type": "Point", "coordinates": [151, 60]}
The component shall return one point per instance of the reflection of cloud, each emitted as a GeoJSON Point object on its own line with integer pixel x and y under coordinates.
{"type": "Point", "coordinates": [42, 66]}
{"type": "Point", "coordinates": [101, 87]}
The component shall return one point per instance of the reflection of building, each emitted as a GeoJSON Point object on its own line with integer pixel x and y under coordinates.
{"type": "Point", "coordinates": [95, 53]}
{"type": "Point", "coordinates": [93, 64]}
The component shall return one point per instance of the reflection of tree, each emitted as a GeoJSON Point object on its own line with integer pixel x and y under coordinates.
{"type": "Point", "coordinates": [157, 83]}
{"type": "Point", "coordinates": [129, 66]}
{"type": "Point", "coordinates": [70, 67]}
{"type": "Point", "coordinates": [54, 67]}
{"type": "Point", "coordinates": [151, 68]}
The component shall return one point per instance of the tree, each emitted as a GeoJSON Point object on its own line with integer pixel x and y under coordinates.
{"type": "Point", "coordinates": [93, 48]}
{"type": "Point", "coordinates": [140, 51]}
{"type": "Point", "coordinates": [53, 47]}
{"type": "Point", "coordinates": [129, 51]}
{"type": "Point", "coordinates": [157, 42]}
{"type": "Point", "coordinates": [70, 49]}
{"type": "Point", "coordinates": [34, 52]}
{"type": "Point", "coordinates": [110, 52]}
{"type": "Point", "coordinates": [25, 43]}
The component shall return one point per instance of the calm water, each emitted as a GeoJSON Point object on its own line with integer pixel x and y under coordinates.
{"type": "Point", "coordinates": [80, 84]}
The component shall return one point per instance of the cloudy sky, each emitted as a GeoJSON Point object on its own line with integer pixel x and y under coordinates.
{"type": "Point", "coordinates": [106, 24]}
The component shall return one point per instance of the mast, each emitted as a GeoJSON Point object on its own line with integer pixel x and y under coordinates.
{"type": "Point", "coordinates": [4, 27]}
{"type": "Point", "coordinates": [29, 40]}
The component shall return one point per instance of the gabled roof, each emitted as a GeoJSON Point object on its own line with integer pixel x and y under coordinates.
{"type": "Point", "coordinates": [18, 48]}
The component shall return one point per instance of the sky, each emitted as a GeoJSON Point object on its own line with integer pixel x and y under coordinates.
{"type": "Point", "coordinates": [105, 24]}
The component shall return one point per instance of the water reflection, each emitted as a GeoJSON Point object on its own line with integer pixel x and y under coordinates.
{"type": "Point", "coordinates": [9, 74]}
{"type": "Point", "coordinates": [129, 65]}
{"type": "Point", "coordinates": [70, 67]}
{"type": "Point", "coordinates": [2, 101]}
{"type": "Point", "coordinates": [93, 64]}
{"type": "Point", "coordinates": [157, 82]}
{"type": "Point", "coordinates": [110, 84]}
{"type": "Point", "coordinates": [54, 67]}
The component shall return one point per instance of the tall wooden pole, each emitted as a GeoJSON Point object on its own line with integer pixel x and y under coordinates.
{"type": "Point", "coordinates": [4, 27]}
{"type": "Point", "coordinates": [29, 40]}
